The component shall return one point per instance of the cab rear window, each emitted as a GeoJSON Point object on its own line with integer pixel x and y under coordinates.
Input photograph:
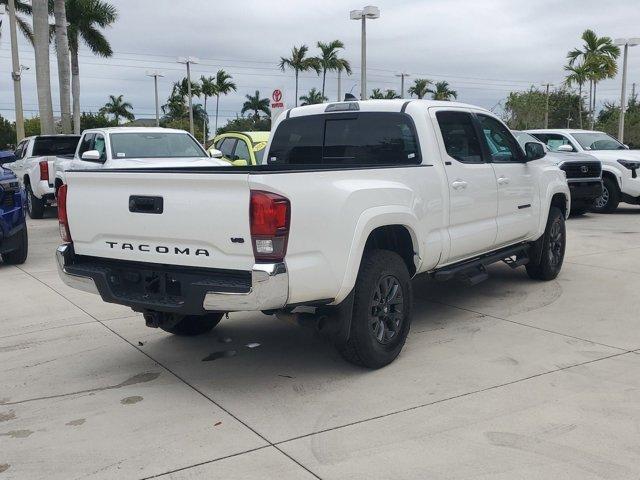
{"type": "Point", "coordinates": [361, 139]}
{"type": "Point", "coordinates": [44, 146]}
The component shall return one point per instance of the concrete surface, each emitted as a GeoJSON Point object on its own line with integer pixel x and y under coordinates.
{"type": "Point", "coordinates": [511, 379]}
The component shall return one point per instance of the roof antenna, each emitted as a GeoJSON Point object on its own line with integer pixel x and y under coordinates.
{"type": "Point", "coordinates": [349, 97]}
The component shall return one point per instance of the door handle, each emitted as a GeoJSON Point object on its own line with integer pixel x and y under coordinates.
{"type": "Point", "coordinates": [503, 181]}
{"type": "Point", "coordinates": [459, 185]}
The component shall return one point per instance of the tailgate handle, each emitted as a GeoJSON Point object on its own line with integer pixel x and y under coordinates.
{"type": "Point", "coordinates": [143, 204]}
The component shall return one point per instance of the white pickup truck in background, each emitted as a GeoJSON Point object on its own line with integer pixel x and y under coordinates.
{"type": "Point", "coordinates": [36, 161]}
{"type": "Point", "coordinates": [355, 198]}
{"type": "Point", "coordinates": [620, 181]}
{"type": "Point", "coordinates": [135, 147]}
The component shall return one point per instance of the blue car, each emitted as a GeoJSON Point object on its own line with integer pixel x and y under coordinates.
{"type": "Point", "coordinates": [14, 243]}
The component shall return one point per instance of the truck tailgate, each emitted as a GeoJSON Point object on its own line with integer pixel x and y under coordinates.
{"type": "Point", "coordinates": [188, 219]}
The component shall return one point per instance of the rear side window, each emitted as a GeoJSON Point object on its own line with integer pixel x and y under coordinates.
{"type": "Point", "coordinates": [55, 146]}
{"type": "Point", "coordinates": [460, 136]}
{"type": "Point", "coordinates": [346, 140]}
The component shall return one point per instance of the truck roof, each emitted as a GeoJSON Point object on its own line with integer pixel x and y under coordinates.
{"type": "Point", "coordinates": [135, 130]}
{"type": "Point", "coordinates": [379, 106]}
{"type": "Point", "coordinates": [561, 130]}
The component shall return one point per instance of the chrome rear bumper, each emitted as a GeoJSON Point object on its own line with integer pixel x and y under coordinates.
{"type": "Point", "coordinates": [269, 288]}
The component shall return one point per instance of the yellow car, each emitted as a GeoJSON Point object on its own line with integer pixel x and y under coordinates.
{"type": "Point", "coordinates": [240, 148]}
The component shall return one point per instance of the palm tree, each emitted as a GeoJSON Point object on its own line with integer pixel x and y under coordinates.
{"type": "Point", "coordinates": [256, 105]}
{"type": "Point", "coordinates": [182, 88]}
{"type": "Point", "coordinates": [208, 87]}
{"type": "Point", "coordinates": [224, 86]}
{"type": "Point", "coordinates": [443, 92]}
{"type": "Point", "coordinates": [314, 96]}
{"type": "Point", "coordinates": [23, 8]}
{"type": "Point", "coordinates": [329, 60]}
{"type": "Point", "coordinates": [64, 69]}
{"type": "Point", "coordinates": [343, 66]}
{"type": "Point", "coordinates": [43, 74]}
{"type": "Point", "coordinates": [85, 19]}
{"type": "Point", "coordinates": [420, 87]}
{"type": "Point", "coordinates": [599, 55]}
{"type": "Point", "coordinates": [386, 95]}
{"type": "Point", "coordinates": [299, 62]}
{"type": "Point", "coordinates": [577, 74]}
{"type": "Point", "coordinates": [117, 107]}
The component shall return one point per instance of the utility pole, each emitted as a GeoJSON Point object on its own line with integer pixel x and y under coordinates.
{"type": "Point", "coordinates": [402, 76]}
{"type": "Point", "coordinates": [625, 43]}
{"type": "Point", "coordinates": [16, 71]}
{"type": "Point", "coordinates": [546, 108]}
{"type": "Point", "coordinates": [188, 61]}
{"type": "Point", "coordinates": [155, 74]}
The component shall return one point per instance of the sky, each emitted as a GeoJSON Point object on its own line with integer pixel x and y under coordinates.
{"type": "Point", "coordinates": [483, 48]}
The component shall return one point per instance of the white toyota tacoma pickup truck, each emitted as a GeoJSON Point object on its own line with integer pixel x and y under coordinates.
{"type": "Point", "coordinates": [354, 199]}
{"type": "Point", "coordinates": [620, 181]}
{"type": "Point", "coordinates": [36, 161]}
{"type": "Point", "coordinates": [133, 147]}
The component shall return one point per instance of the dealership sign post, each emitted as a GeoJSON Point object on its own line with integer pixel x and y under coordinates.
{"type": "Point", "coordinates": [277, 105]}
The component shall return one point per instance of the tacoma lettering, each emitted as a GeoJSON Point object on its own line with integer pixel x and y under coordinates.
{"type": "Point", "coordinates": [145, 247]}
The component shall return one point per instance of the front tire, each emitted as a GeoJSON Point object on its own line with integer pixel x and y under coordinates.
{"type": "Point", "coordinates": [552, 245]}
{"type": "Point", "coordinates": [18, 256]}
{"type": "Point", "coordinates": [35, 205]}
{"type": "Point", "coordinates": [610, 198]}
{"type": "Point", "coordinates": [381, 316]}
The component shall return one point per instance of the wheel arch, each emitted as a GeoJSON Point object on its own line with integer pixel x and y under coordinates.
{"type": "Point", "coordinates": [387, 229]}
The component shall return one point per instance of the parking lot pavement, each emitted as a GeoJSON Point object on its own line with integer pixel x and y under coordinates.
{"type": "Point", "coordinates": [508, 379]}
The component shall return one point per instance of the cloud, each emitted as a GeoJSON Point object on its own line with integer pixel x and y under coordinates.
{"type": "Point", "coordinates": [483, 48]}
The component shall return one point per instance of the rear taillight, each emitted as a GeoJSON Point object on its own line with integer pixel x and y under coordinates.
{"type": "Point", "coordinates": [44, 170]}
{"type": "Point", "coordinates": [63, 220]}
{"type": "Point", "coordinates": [270, 216]}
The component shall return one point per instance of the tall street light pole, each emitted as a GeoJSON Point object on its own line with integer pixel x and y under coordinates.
{"type": "Point", "coordinates": [16, 71]}
{"type": "Point", "coordinates": [402, 76]}
{"type": "Point", "coordinates": [626, 43]}
{"type": "Point", "coordinates": [188, 61]}
{"type": "Point", "coordinates": [155, 74]}
{"type": "Point", "coordinates": [370, 12]}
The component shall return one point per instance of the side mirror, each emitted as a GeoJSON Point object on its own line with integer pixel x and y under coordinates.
{"type": "Point", "coordinates": [214, 153]}
{"type": "Point", "coordinates": [534, 151]}
{"type": "Point", "coordinates": [91, 156]}
{"type": "Point", "coordinates": [565, 148]}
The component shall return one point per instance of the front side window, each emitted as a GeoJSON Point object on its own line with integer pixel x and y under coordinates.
{"type": "Point", "coordinates": [99, 145]}
{"type": "Point", "coordinates": [459, 136]}
{"type": "Point", "coordinates": [226, 147]}
{"type": "Point", "coordinates": [87, 143]}
{"type": "Point", "coordinates": [155, 145]}
{"type": "Point", "coordinates": [598, 141]}
{"type": "Point", "coordinates": [553, 140]}
{"type": "Point", "coordinates": [20, 151]}
{"type": "Point", "coordinates": [242, 151]}
{"type": "Point", "coordinates": [503, 148]}
{"type": "Point", "coordinates": [361, 139]}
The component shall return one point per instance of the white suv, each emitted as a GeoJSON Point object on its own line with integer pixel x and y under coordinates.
{"type": "Point", "coordinates": [619, 164]}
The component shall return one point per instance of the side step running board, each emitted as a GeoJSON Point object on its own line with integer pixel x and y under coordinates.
{"type": "Point", "coordinates": [474, 271]}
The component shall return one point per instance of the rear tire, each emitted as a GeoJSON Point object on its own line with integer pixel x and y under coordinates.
{"type": "Point", "coordinates": [35, 205]}
{"type": "Point", "coordinates": [19, 256]}
{"type": "Point", "coordinates": [610, 197]}
{"type": "Point", "coordinates": [191, 325]}
{"type": "Point", "coordinates": [552, 246]}
{"type": "Point", "coordinates": [381, 315]}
